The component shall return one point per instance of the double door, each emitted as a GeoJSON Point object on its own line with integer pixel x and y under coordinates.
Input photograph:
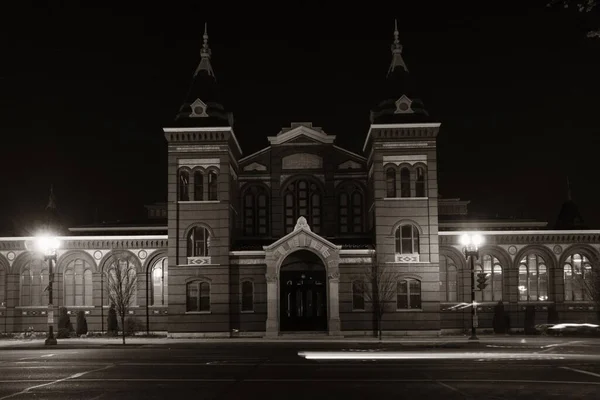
{"type": "Point", "coordinates": [303, 301]}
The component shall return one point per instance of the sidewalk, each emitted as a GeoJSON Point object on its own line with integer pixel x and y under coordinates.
{"type": "Point", "coordinates": [443, 341]}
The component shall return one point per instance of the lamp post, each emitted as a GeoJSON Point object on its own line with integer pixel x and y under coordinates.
{"type": "Point", "coordinates": [471, 243]}
{"type": "Point", "coordinates": [48, 245]}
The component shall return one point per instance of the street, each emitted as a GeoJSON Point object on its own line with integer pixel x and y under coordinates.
{"type": "Point", "coordinates": [567, 368]}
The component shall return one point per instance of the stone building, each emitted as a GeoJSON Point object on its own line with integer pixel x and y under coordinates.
{"type": "Point", "coordinates": [279, 240]}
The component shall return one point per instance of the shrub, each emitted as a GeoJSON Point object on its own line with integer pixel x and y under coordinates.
{"type": "Point", "coordinates": [82, 327]}
{"type": "Point", "coordinates": [530, 320]}
{"type": "Point", "coordinates": [133, 325]}
{"type": "Point", "coordinates": [113, 324]}
{"type": "Point", "coordinates": [64, 324]}
{"type": "Point", "coordinates": [499, 321]}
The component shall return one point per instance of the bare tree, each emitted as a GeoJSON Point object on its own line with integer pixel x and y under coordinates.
{"type": "Point", "coordinates": [381, 290]}
{"type": "Point", "coordinates": [122, 283]}
{"type": "Point", "coordinates": [581, 6]}
{"type": "Point", "coordinates": [589, 281]}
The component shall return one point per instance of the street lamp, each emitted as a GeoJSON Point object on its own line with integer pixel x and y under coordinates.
{"type": "Point", "coordinates": [471, 243]}
{"type": "Point", "coordinates": [48, 245]}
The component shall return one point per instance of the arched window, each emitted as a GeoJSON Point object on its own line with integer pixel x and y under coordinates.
{"type": "Point", "coordinates": [578, 278]}
{"type": "Point", "coordinates": [213, 188]}
{"type": "Point", "coordinates": [358, 295]}
{"type": "Point", "coordinates": [491, 266]}
{"type": "Point", "coordinates": [533, 278]}
{"type": "Point", "coordinates": [407, 239]}
{"type": "Point", "coordinates": [2, 286]}
{"type": "Point", "coordinates": [390, 182]}
{"type": "Point", "coordinates": [420, 182]}
{"type": "Point", "coordinates": [247, 296]}
{"type": "Point", "coordinates": [78, 285]}
{"type": "Point", "coordinates": [198, 241]}
{"type": "Point", "coordinates": [404, 182]}
{"type": "Point", "coordinates": [408, 292]}
{"type": "Point", "coordinates": [198, 296]}
{"type": "Point", "coordinates": [302, 198]}
{"type": "Point", "coordinates": [198, 186]}
{"type": "Point", "coordinates": [160, 281]}
{"type": "Point", "coordinates": [121, 284]}
{"type": "Point", "coordinates": [256, 211]}
{"type": "Point", "coordinates": [448, 279]}
{"type": "Point", "coordinates": [184, 185]}
{"type": "Point", "coordinates": [350, 208]}
{"type": "Point", "coordinates": [34, 282]}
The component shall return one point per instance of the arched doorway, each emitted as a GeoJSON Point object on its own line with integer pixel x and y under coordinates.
{"type": "Point", "coordinates": [303, 293]}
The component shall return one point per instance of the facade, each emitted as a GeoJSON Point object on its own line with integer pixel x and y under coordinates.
{"type": "Point", "coordinates": [278, 241]}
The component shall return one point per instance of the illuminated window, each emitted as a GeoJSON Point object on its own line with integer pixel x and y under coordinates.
{"type": "Point", "coordinates": [533, 278]}
{"type": "Point", "coordinates": [420, 190]}
{"type": "Point", "coordinates": [184, 185]}
{"type": "Point", "coordinates": [198, 240]}
{"type": "Point", "coordinates": [34, 283]}
{"type": "Point", "coordinates": [491, 266]}
{"type": "Point", "coordinates": [579, 282]}
{"type": "Point", "coordinates": [121, 283]}
{"type": "Point", "coordinates": [160, 281]}
{"type": "Point", "coordinates": [448, 279]}
{"type": "Point", "coordinates": [78, 285]}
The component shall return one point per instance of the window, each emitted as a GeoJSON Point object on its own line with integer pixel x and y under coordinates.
{"type": "Point", "coordinates": [533, 278]}
{"type": "Point", "coordinates": [121, 283]}
{"type": "Point", "coordinates": [34, 282]}
{"type": "Point", "coordinates": [184, 182]}
{"type": "Point", "coordinates": [256, 211]}
{"type": "Point", "coordinates": [198, 241]}
{"type": "Point", "coordinates": [408, 294]}
{"type": "Point", "coordinates": [302, 198]}
{"type": "Point", "coordinates": [198, 186]}
{"type": "Point", "coordinates": [491, 266]}
{"type": "Point", "coordinates": [390, 182]}
{"type": "Point", "coordinates": [159, 283]}
{"type": "Point", "coordinates": [448, 279]}
{"type": "Point", "coordinates": [212, 185]}
{"type": "Point", "coordinates": [78, 285]}
{"type": "Point", "coordinates": [2, 286]}
{"type": "Point", "coordinates": [404, 182]}
{"type": "Point", "coordinates": [420, 183]}
{"type": "Point", "coordinates": [578, 278]}
{"type": "Point", "coordinates": [198, 296]}
{"type": "Point", "coordinates": [247, 296]}
{"type": "Point", "coordinates": [358, 295]}
{"type": "Point", "coordinates": [407, 239]}
{"type": "Point", "coordinates": [350, 206]}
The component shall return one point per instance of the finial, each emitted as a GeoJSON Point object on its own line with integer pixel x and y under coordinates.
{"type": "Point", "coordinates": [205, 49]}
{"type": "Point", "coordinates": [396, 47]}
{"type": "Point", "coordinates": [397, 60]}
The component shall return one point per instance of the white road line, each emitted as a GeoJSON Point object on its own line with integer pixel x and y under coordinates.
{"type": "Point", "coordinates": [582, 371]}
{"type": "Point", "coordinates": [26, 390]}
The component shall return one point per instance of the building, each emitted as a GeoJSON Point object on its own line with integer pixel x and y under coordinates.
{"type": "Point", "coordinates": [278, 241]}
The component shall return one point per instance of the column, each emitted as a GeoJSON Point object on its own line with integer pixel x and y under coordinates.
{"type": "Point", "coordinates": [272, 329]}
{"type": "Point", "coordinates": [333, 277]}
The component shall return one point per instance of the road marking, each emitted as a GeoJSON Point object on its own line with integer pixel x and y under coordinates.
{"type": "Point", "coordinates": [26, 390]}
{"type": "Point", "coordinates": [552, 346]}
{"type": "Point", "coordinates": [48, 355]}
{"type": "Point", "coordinates": [582, 371]}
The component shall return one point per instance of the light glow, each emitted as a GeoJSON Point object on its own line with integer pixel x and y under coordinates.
{"type": "Point", "coordinates": [406, 355]}
{"type": "Point", "coordinates": [47, 244]}
{"type": "Point", "coordinates": [474, 239]}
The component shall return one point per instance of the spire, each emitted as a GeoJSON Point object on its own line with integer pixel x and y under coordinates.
{"type": "Point", "coordinates": [51, 200]}
{"type": "Point", "coordinates": [205, 55]}
{"type": "Point", "coordinates": [203, 105]}
{"type": "Point", "coordinates": [569, 197]}
{"type": "Point", "coordinates": [397, 60]}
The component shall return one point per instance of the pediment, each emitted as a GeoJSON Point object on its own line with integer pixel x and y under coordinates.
{"type": "Point", "coordinates": [198, 109]}
{"type": "Point", "coordinates": [350, 164]}
{"type": "Point", "coordinates": [301, 133]}
{"type": "Point", "coordinates": [403, 105]}
{"type": "Point", "coordinates": [302, 237]}
{"type": "Point", "coordinates": [255, 167]}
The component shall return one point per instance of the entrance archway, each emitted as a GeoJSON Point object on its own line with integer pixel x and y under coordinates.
{"type": "Point", "coordinates": [303, 293]}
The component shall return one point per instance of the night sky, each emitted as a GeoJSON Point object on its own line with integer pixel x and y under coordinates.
{"type": "Point", "coordinates": [85, 93]}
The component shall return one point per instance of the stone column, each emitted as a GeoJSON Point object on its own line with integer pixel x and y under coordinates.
{"type": "Point", "coordinates": [333, 277]}
{"type": "Point", "coordinates": [272, 329]}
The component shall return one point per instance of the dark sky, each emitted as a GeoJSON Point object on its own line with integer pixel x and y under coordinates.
{"type": "Point", "coordinates": [85, 92]}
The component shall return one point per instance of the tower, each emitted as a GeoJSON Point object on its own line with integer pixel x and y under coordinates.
{"type": "Point", "coordinates": [402, 173]}
{"type": "Point", "coordinates": [202, 174]}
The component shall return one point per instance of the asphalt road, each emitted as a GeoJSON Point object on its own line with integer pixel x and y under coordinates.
{"type": "Point", "coordinates": [301, 371]}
